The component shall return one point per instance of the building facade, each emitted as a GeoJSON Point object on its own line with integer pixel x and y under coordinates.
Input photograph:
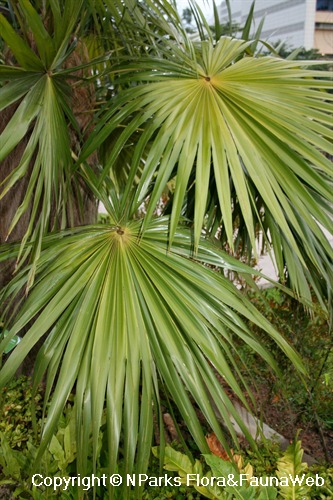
{"type": "Point", "coordinates": [300, 23]}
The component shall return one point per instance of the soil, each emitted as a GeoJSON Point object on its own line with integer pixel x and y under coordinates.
{"type": "Point", "coordinates": [317, 441]}
{"type": "Point", "coordinates": [5, 493]}
{"type": "Point", "coordinates": [273, 410]}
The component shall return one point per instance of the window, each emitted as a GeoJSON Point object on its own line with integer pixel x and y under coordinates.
{"type": "Point", "coordinates": [325, 5]}
{"type": "Point", "coordinates": [324, 26]}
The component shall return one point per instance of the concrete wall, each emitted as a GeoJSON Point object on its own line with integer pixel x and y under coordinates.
{"type": "Point", "coordinates": [292, 21]}
{"type": "Point", "coordinates": [323, 35]}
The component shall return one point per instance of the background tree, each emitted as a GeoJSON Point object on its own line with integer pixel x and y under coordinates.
{"type": "Point", "coordinates": [132, 309]}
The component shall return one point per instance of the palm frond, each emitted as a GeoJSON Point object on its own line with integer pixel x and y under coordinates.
{"type": "Point", "coordinates": [120, 316]}
{"type": "Point", "coordinates": [35, 100]}
{"type": "Point", "coordinates": [261, 122]}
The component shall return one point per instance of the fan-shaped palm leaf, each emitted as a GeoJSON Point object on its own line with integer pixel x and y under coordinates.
{"type": "Point", "coordinates": [122, 315]}
{"type": "Point", "coordinates": [37, 91]}
{"type": "Point", "coordinates": [263, 120]}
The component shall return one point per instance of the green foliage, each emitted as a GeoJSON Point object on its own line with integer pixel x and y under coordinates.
{"type": "Point", "coordinates": [300, 53]}
{"type": "Point", "coordinates": [139, 279]}
{"type": "Point", "coordinates": [126, 308]}
{"type": "Point", "coordinates": [19, 441]}
{"type": "Point", "coordinates": [311, 336]}
{"type": "Point", "coordinates": [291, 479]}
{"type": "Point", "coordinates": [16, 411]}
{"type": "Point", "coordinates": [290, 465]}
{"type": "Point", "coordinates": [17, 463]}
{"type": "Point", "coordinates": [176, 461]}
{"type": "Point", "coordinates": [325, 491]}
{"type": "Point", "coordinates": [266, 462]}
{"type": "Point", "coordinates": [264, 459]}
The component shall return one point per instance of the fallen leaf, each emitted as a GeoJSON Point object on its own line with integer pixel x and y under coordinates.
{"type": "Point", "coordinates": [216, 447]}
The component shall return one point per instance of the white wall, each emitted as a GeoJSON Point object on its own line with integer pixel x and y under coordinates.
{"type": "Point", "coordinates": [289, 20]}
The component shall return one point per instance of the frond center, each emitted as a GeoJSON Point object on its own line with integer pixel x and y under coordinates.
{"type": "Point", "coordinates": [122, 235]}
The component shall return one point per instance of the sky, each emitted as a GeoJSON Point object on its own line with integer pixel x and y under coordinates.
{"type": "Point", "coordinates": [205, 6]}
